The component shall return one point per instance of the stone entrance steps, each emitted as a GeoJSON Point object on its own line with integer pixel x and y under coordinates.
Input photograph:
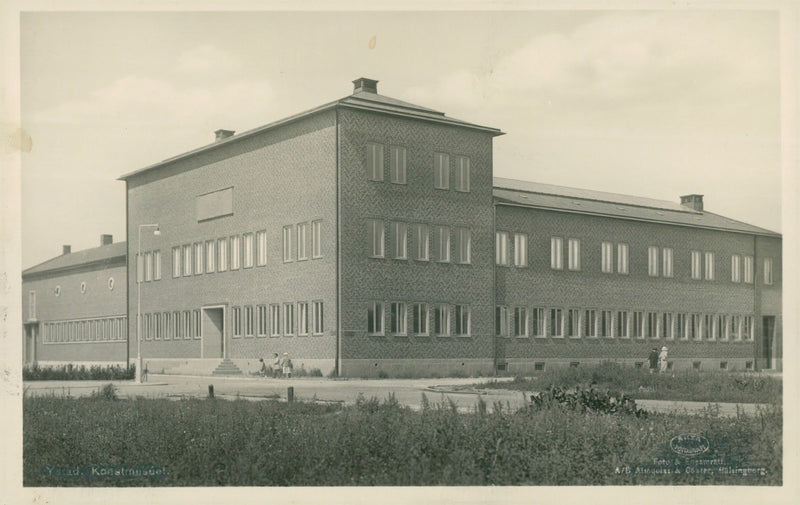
{"type": "Point", "coordinates": [226, 368]}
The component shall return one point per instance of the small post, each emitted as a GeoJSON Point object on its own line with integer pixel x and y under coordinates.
{"type": "Point", "coordinates": [290, 394]}
{"type": "Point", "coordinates": [211, 391]}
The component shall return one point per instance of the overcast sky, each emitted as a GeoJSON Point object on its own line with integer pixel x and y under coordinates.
{"type": "Point", "coordinates": [655, 104]}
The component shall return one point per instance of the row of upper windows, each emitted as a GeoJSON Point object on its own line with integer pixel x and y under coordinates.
{"type": "Point", "coordinates": [107, 329]}
{"type": "Point", "coordinates": [177, 325]}
{"type": "Point", "coordinates": [659, 259]}
{"type": "Point", "coordinates": [287, 319]}
{"type": "Point", "coordinates": [376, 166]}
{"type": "Point", "coordinates": [577, 323]}
{"type": "Point", "coordinates": [440, 319]}
{"type": "Point", "coordinates": [422, 247]}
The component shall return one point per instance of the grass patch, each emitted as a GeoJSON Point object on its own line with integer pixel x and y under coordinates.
{"type": "Point", "coordinates": [689, 385]}
{"type": "Point", "coordinates": [241, 443]}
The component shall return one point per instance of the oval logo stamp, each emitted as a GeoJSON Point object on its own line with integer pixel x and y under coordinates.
{"type": "Point", "coordinates": [689, 444]}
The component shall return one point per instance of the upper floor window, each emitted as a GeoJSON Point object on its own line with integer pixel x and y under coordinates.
{"type": "Point", "coordinates": [375, 162]}
{"type": "Point", "coordinates": [375, 319]}
{"type": "Point", "coordinates": [398, 240]}
{"type": "Point", "coordinates": [302, 318]}
{"type": "Point", "coordinates": [607, 257]}
{"type": "Point", "coordinates": [652, 261]}
{"type": "Point", "coordinates": [462, 173]}
{"type": "Point", "coordinates": [441, 319]}
{"type": "Point", "coordinates": [441, 171]}
{"type": "Point", "coordinates": [288, 319]}
{"type": "Point", "coordinates": [261, 248]}
{"type": "Point", "coordinates": [520, 250]}
{"type": "Point", "coordinates": [397, 165]}
{"type": "Point", "coordinates": [419, 319]}
{"type": "Point", "coordinates": [157, 265]}
{"type": "Point", "coordinates": [316, 239]}
{"type": "Point", "coordinates": [463, 245]}
{"type": "Point", "coordinates": [709, 264]}
{"type": "Point", "coordinates": [222, 254]}
{"type": "Point", "coordinates": [248, 250]}
{"type": "Point", "coordinates": [287, 243]}
{"type": "Point", "coordinates": [556, 253]}
{"type": "Point", "coordinates": [376, 238]}
{"type": "Point", "coordinates": [199, 262]}
{"type": "Point", "coordinates": [397, 318]}
{"type": "Point", "coordinates": [275, 320]}
{"type": "Point", "coordinates": [501, 248]}
{"type": "Point", "coordinates": [211, 263]}
{"type": "Point", "coordinates": [574, 254]}
{"type": "Point", "coordinates": [666, 262]}
{"type": "Point", "coordinates": [236, 253]}
{"type": "Point", "coordinates": [622, 258]}
{"type": "Point", "coordinates": [421, 242]}
{"type": "Point", "coordinates": [302, 241]}
{"type": "Point", "coordinates": [318, 322]}
{"type": "Point", "coordinates": [443, 244]}
{"type": "Point", "coordinates": [462, 320]}
{"type": "Point", "coordinates": [748, 269]}
{"type": "Point", "coordinates": [696, 265]}
{"type": "Point", "coordinates": [768, 273]}
{"type": "Point", "coordinates": [148, 266]}
{"type": "Point", "coordinates": [736, 268]}
{"type": "Point", "coordinates": [187, 260]}
{"type": "Point", "coordinates": [556, 323]}
{"type": "Point", "coordinates": [176, 262]}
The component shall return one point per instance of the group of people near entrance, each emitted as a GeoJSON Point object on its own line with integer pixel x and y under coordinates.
{"type": "Point", "coordinates": [658, 360]}
{"type": "Point", "coordinates": [281, 366]}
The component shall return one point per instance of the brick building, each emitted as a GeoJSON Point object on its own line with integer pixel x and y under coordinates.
{"type": "Point", "coordinates": [74, 308]}
{"type": "Point", "coordinates": [369, 235]}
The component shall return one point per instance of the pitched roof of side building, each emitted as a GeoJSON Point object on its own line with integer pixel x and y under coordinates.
{"type": "Point", "coordinates": [583, 201]}
{"type": "Point", "coordinates": [105, 255]}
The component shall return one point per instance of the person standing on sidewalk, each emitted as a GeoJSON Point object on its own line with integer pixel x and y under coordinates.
{"type": "Point", "coordinates": [653, 359]}
{"type": "Point", "coordinates": [662, 360]}
{"type": "Point", "coordinates": [286, 365]}
{"type": "Point", "coordinates": [276, 366]}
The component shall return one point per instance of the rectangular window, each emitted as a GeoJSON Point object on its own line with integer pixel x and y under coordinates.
{"type": "Point", "coordinates": [696, 266]}
{"type": "Point", "coordinates": [261, 248]}
{"type": "Point", "coordinates": [520, 250]}
{"type": "Point", "coordinates": [556, 323]}
{"type": "Point", "coordinates": [316, 239]}
{"type": "Point", "coordinates": [419, 319]}
{"type": "Point", "coordinates": [681, 326]}
{"type": "Point", "coordinates": [462, 319]}
{"type": "Point", "coordinates": [736, 268]}
{"type": "Point", "coordinates": [263, 321]}
{"type": "Point", "coordinates": [168, 328]}
{"type": "Point", "coordinates": [696, 326]}
{"type": "Point", "coordinates": [287, 243]}
{"type": "Point", "coordinates": [148, 266]}
{"type": "Point", "coordinates": [666, 262]}
{"type": "Point", "coordinates": [520, 322]}
{"type": "Point", "coordinates": [187, 260]}
{"type": "Point", "coordinates": [607, 257]}
{"type": "Point", "coordinates": [145, 327]}
{"type": "Point", "coordinates": [198, 328]}
{"type": "Point", "coordinates": [249, 325]}
{"type": "Point", "coordinates": [462, 174]}
{"type": "Point", "coordinates": [723, 324]}
{"type": "Point", "coordinates": [275, 320]}
{"type": "Point", "coordinates": [651, 325]}
{"type": "Point", "coordinates": [441, 171]}
{"type": "Point", "coordinates": [748, 269]}
{"type": "Point", "coordinates": [709, 327]}
{"type": "Point", "coordinates": [537, 322]}
{"type": "Point", "coordinates": [376, 238]}
{"type": "Point", "coordinates": [397, 318]}
{"type": "Point", "coordinates": [222, 253]}
{"type": "Point", "coordinates": [187, 324]}
{"type": "Point", "coordinates": [422, 242]}
{"type": "Point", "coordinates": [176, 262]}
{"type": "Point", "coordinates": [288, 319]}
{"type": "Point", "coordinates": [606, 319]}
{"type": "Point", "coordinates": [302, 318]}
{"type": "Point", "coordinates": [398, 240]}
{"type": "Point", "coordinates": [709, 271]}
{"type": "Point", "coordinates": [556, 253]}
{"type": "Point", "coordinates": [375, 319]}
{"type": "Point", "coordinates": [747, 327]}
{"type": "Point", "coordinates": [441, 320]}
{"type": "Point", "coordinates": [501, 248]}
{"type": "Point", "coordinates": [157, 265]}
{"type": "Point", "coordinates": [652, 261]}
{"type": "Point", "coordinates": [198, 258]}
{"type": "Point", "coordinates": [248, 250]}
{"type": "Point", "coordinates": [573, 323]}
{"type": "Point", "coordinates": [236, 253]}
{"type": "Point", "coordinates": [733, 329]}
{"type": "Point", "coordinates": [443, 243]}
{"type": "Point", "coordinates": [637, 324]}
{"type": "Point", "coordinates": [397, 165]}
{"type": "Point", "coordinates": [501, 321]}
{"type": "Point", "coordinates": [463, 245]}
{"type": "Point", "coordinates": [768, 274]}
{"type": "Point", "coordinates": [211, 258]}
{"type": "Point", "coordinates": [319, 319]}
{"type": "Point", "coordinates": [590, 323]}
{"type": "Point", "coordinates": [375, 162]}
{"type": "Point", "coordinates": [622, 324]}
{"type": "Point", "coordinates": [302, 241]}
{"type": "Point", "coordinates": [574, 254]}
{"type": "Point", "coordinates": [622, 258]}
{"type": "Point", "coordinates": [236, 321]}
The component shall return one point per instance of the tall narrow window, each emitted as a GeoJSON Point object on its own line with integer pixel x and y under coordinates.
{"type": "Point", "coordinates": [248, 321]}
{"type": "Point", "coordinates": [236, 321]}
{"type": "Point", "coordinates": [157, 265]}
{"type": "Point", "coordinates": [501, 321]}
{"type": "Point", "coordinates": [606, 319]}
{"type": "Point", "coordinates": [666, 262]}
{"type": "Point", "coordinates": [288, 319]}
{"type": "Point", "coordinates": [31, 304]}
{"type": "Point", "coordinates": [736, 268]}
{"type": "Point", "coordinates": [520, 322]}
{"type": "Point", "coordinates": [768, 273]}
{"type": "Point", "coordinates": [443, 243]}
{"type": "Point", "coordinates": [590, 323]}
{"type": "Point", "coordinates": [734, 328]}
{"type": "Point", "coordinates": [556, 253]}
{"type": "Point", "coordinates": [537, 322]}
{"type": "Point", "coordinates": [187, 259]}
{"type": "Point", "coordinates": [607, 257]}
{"type": "Point", "coordinates": [375, 318]}
{"type": "Point", "coordinates": [622, 324]}
{"type": "Point", "coordinates": [441, 171]}
{"type": "Point", "coordinates": [211, 257]}
{"type": "Point", "coordinates": [419, 319]}
{"type": "Point", "coordinates": [236, 253]}
{"type": "Point", "coordinates": [197, 324]}
{"type": "Point", "coordinates": [148, 266]}
{"type": "Point", "coordinates": [651, 325]}
{"type": "Point", "coordinates": [248, 250]}
{"type": "Point", "coordinates": [748, 269]}
{"type": "Point", "coordinates": [422, 242]}
{"type": "Point", "coordinates": [199, 262]}
{"type": "Point", "coordinates": [696, 265]}
{"type": "Point", "coordinates": [316, 239]}
{"type": "Point", "coordinates": [441, 319]}
{"type": "Point", "coordinates": [302, 241]}
{"type": "Point", "coordinates": [665, 328]}
{"type": "Point", "coordinates": [708, 327]}
{"type": "Point", "coordinates": [302, 318]}
{"type": "Point", "coordinates": [397, 164]}
{"type": "Point", "coordinates": [263, 321]}
{"type": "Point", "coordinates": [397, 318]}
{"type": "Point", "coordinates": [463, 245]}
{"type": "Point", "coordinates": [573, 323]}
{"type": "Point", "coordinates": [275, 320]}
{"type": "Point", "coordinates": [398, 240]}
{"type": "Point", "coordinates": [622, 258]}
{"type": "Point", "coordinates": [261, 248]}
{"type": "Point", "coordinates": [287, 243]}
{"type": "Point", "coordinates": [637, 324]}
{"type": "Point", "coordinates": [376, 238]}
{"type": "Point", "coordinates": [709, 271]}
{"type": "Point", "coordinates": [652, 261]}
{"type": "Point", "coordinates": [501, 248]}
{"type": "Point", "coordinates": [176, 262]}
{"type": "Point", "coordinates": [462, 174]}
{"type": "Point", "coordinates": [187, 323]}
{"type": "Point", "coordinates": [375, 162]}
{"type": "Point", "coordinates": [520, 250]}
{"type": "Point", "coordinates": [681, 326]}
{"type": "Point", "coordinates": [556, 323]}
{"type": "Point", "coordinates": [723, 322]}
{"type": "Point", "coordinates": [695, 326]}
{"type": "Point", "coordinates": [747, 327]}
{"type": "Point", "coordinates": [462, 320]}
{"type": "Point", "coordinates": [574, 254]}
{"type": "Point", "coordinates": [318, 320]}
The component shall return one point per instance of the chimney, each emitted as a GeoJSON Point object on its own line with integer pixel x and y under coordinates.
{"type": "Point", "coordinates": [106, 239]}
{"type": "Point", "coordinates": [66, 249]}
{"type": "Point", "coordinates": [694, 202]}
{"type": "Point", "coordinates": [223, 134]}
{"type": "Point", "coordinates": [366, 85]}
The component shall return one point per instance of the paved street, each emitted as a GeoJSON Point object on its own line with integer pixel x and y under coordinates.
{"type": "Point", "coordinates": [406, 391]}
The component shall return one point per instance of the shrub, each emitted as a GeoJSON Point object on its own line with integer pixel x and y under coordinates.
{"type": "Point", "coordinates": [107, 392]}
{"type": "Point", "coordinates": [69, 372]}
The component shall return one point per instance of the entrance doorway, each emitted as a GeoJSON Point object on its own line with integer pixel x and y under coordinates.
{"type": "Point", "coordinates": [213, 332]}
{"type": "Point", "coordinates": [768, 329]}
